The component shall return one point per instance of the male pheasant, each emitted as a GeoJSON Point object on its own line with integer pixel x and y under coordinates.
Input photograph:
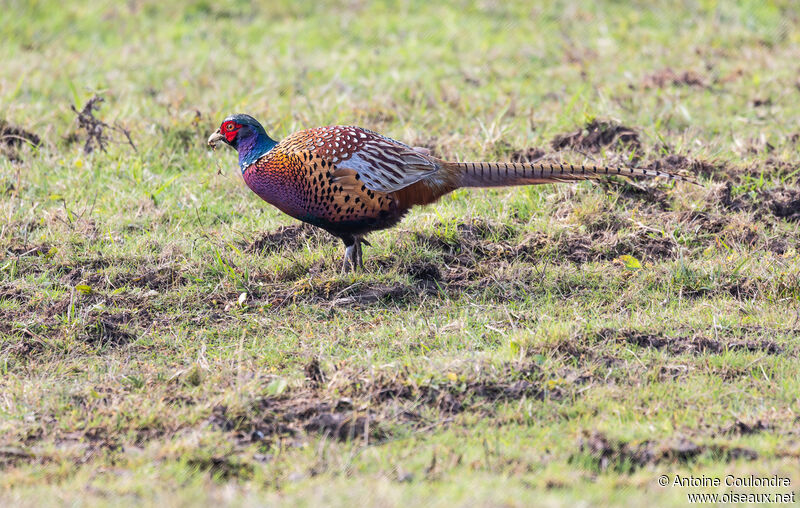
{"type": "Point", "coordinates": [351, 181]}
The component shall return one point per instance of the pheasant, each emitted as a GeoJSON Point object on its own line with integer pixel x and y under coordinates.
{"type": "Point", "coordinates": [352, 181]}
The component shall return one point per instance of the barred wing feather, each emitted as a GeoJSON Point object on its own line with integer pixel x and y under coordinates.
{"type": "Point", "coordinates": [386, 167]}
{"type": "Point", "coordinates": [383, 164]}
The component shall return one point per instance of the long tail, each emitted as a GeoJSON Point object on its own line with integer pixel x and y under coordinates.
{"type": "Point", "coordinates": [500, 174]}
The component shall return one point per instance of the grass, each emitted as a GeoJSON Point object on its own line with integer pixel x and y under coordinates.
{"type": "Point", "coordinates": [168, 338]}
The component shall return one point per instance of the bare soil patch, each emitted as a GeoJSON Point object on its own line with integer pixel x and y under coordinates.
{"type": "Point", "coordinates": [158, 279]}
{"type": "Point", "coordinates": [531, 154]}
{"type": "Point", "coordinates": [285, 238]}
{"type": "Point", "coordinates": [92, 272]}
{"type": "Point", "coordinates": [481, 245]}
{"type": "Point", "coordinates": [745, 428]}
{"type": "Point", "coordinates": [223, 467]}
{"type": "Point", "coordinates": [83, 271]}
{"type": "Point", "coordinates": [669, 77]}
{"type": "Point", "coordinates": [28, 250]}
{"type": "Point", "coordinates": [726, 171]}
{"type": "Point", "coordinates": [598, 134]}
{"type": "Point", "coordinates": [357, 406]}
{"type": "Point", "coordinates": [13, 137]}
{"type": "Point", "coordinates": [615, 455]}
{"type": "Point", "coordinates": [691, 344]}
{"type": "Point", "coordinates": [108, 329]}
{"type": "Point", "coordinates": [10, 456]}
{"type": "Point", "coordinates": [27, 343]}
{"type": "Point", "coordinates": [12, 293]}
{"type": "Point", "coordinates": [785, 203]}
{"type": "Point", "coordinates": [596, 246]}
{"type": "Point", "coordinates": [374, 293]}
{"type": "Point", "coordinates": [424, 272]}
{"type": "Point", "coordinates": [337, 293]}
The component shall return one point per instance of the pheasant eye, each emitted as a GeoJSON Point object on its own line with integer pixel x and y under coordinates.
{"type": "Point", "coordinates": [229, 127]}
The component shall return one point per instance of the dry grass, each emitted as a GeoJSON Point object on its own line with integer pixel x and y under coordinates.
{"type": "Point", "coordinates": [160, 327]}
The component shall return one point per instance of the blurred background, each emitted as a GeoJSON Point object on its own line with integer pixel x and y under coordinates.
{"type": "Point", "coordinates": [470, 78]}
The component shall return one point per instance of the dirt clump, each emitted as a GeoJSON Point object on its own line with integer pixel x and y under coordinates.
{"type": "Point", "coordinates": [669, 77]}
{"type": "Point", "coordinates": [314, 373]}
{"type": "Point", "coordinates": [292, 416]}
{"type": "Point", "coordinates": [83, 270]}
{"type": "Point", "coordinates": [604, 241]}
{"type": "Point", "coordinates": [108, 330]}
{"type": "Point", "coordinates": [28, 250]}
{"type": "Point", "coordinates": [723, 195]}
{"type": "Point", "coordinates": [681, 164]}
{"type": "Point", "coordinates": [607, 246]}
{"type": "Point", "coordinates": [644, 244]}
{"type": "Point", "coordinates": [29, 343]}
{"type": "Point", "coordinates": [10, 456]}
{"type": "Point", "coordinates": [377, 293]}
{"type": "Point", "coordinates": [741, 428]}
{"type": "Point", "coordinates": [709, 169]}
{"type": "Point", "coordinates": [785, 204]}
{"type": "Point", "coordinates": [771, 168]}
{"type": "Point", "coordinates": [57, 308]}
{"type": "Point", "coordinates": [10, 292]}
{"type": "Point", "coordinates": [13, 137]}
{"type": "Point", "coordinates": [342, 427]}
{"type": "Point", "coordinates": [612, 454]}
{"type": "Point", "coordinates": [531, 154]}
{"type": "Point", "coordinates": [222, 467]}
{"type": "Point", "coordinates": [708, 223]}
{"type": "Point", "coordinates": [598, 134]}
{"type": "Point", "coordinates": [424, 272]}
{"type": "Point", "coordinates": [566, 348]}
{"type": "Point", "coordinates": [356, 405]}
{"type": "Point", "coordinates": [472, 242]}
{"type": "Point", "coordinates": [332, 293]}
{"type": "Point", "coordinates": [484, 229]}
{"type": "Point", "coordinates": [284, 238]}
{"type": "Point", "coordinates": [690, 344]}
{"type": "Point", "coordinates": [649, 193]}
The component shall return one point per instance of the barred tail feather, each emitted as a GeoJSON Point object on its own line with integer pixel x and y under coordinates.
{"type": "Point", "coordinates": [500, 174]}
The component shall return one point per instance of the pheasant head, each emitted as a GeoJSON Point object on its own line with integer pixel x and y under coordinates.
{"type": "Point", "coordinates": [244, 134]}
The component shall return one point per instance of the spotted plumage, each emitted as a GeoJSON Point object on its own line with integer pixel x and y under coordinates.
{"type": "Point", "coordinates": [352, 181]}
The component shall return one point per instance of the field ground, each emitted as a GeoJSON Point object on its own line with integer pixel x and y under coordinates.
{"type": "Point", "coordinates": [167, 338]}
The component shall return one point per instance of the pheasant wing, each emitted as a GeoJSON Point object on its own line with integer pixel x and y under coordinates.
{"type": "Point", "coordinates": [382, 164]}
{"type": "Point", "coordinates": [388, 167]}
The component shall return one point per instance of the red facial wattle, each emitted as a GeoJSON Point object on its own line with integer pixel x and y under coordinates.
{"type": "Point", "coordinates": [229, 130]}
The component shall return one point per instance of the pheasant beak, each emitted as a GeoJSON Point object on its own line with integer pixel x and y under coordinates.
{"type": "Point", "coordinates": [215, 138]}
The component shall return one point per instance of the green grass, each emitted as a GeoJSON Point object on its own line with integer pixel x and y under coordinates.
{"type": "Point", "coordinates": [168, 338]}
